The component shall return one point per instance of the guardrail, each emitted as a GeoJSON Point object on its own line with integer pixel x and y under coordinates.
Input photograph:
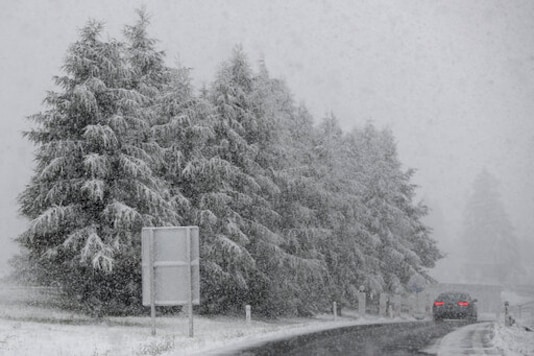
{"type": "Point", "coordinates": [522, 313]}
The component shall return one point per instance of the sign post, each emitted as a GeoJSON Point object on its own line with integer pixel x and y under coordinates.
{"type": "Point", "coordinates": [170, 263]}
{"type": "Point", "coordinates": [152, 281]}
{"type": "Point", "coordinates": [190, 284]}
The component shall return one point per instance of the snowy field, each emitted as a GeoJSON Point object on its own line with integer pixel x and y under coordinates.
{"type": "Point", "coordinates": [38, 330]}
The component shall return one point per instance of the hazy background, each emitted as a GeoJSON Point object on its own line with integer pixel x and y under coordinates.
{"type": "Point", "coordinates": [454, 80]}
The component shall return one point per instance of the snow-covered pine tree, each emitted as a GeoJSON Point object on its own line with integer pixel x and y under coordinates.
{"type": "Point", "coordinates": [93, 188]}
{"type": "Point", "coordinates": [284, 156]}
{"type": "Point", "coordinates": [149, 75]}
{"type": "Point", "coordinates": [341, 207]}
{"type": "Point", "coordinates": [392, 220]}
{"type": "Point", "coordinates": [221, 196]}
{"type": "Point", "coordinates": [170, 111]}
{"type": "Point", "coordinates": [242, 242]}
{"type": "Point", "coordinates": [184, 129]}
{"type": "Point", "coordinates": [358, 169]}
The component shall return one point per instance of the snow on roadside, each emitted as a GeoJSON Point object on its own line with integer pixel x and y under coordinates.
{"type": "Point", "coordinates": [45, 331]}
{"type": "Point", "coordinates": [486, 338]}
{"type": "Point", "coordinates": [514, 340]}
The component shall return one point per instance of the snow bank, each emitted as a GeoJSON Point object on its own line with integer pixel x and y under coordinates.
{"type": "Point", "coordinates": [514, 340]}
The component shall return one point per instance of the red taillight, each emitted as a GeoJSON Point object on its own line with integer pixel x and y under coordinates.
{"type": "Point", "coordinates": [439, 304]}
{"type": "Point", "coordinates": [463, 304]}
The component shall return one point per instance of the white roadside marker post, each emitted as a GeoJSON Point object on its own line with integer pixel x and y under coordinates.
{"type": "Point", "coordinates": [248, 314]}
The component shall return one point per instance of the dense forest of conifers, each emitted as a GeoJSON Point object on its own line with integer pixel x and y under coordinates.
{"type": "Point", "coordinates": [293, 212]}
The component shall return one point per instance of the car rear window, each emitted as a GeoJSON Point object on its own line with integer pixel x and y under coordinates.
{"type": "Point", "coordinates": [453, 296]}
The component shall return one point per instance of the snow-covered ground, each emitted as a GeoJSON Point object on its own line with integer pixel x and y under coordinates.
{"type": "Point", "coordinates": [33, 330]}
{"type": "Point", "coordinates": [43, 331]}
{"type": "Point", "coordinates": [486, 338]}
{"type": "Point", "coordinates": [514, 340]}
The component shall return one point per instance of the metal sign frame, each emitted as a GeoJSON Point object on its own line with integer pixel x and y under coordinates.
{"type": "Point", "coordinates": [170, 263]}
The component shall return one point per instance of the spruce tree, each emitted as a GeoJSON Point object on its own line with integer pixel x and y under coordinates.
{"type": "Point", "coordinates": [392, 219]}
{"type": "Point", "coordinates": [93, 188]}
{"type": "Point", "coordinates": [195, 174]}
{"type": "Point", "coordinates": [243, 244]}
{"type": "Point", "coordinates": [339, 212]}
{"type": "Point", "coordinates": [226, 192]}
{"type": "Point", "coordinates": [300, 284]}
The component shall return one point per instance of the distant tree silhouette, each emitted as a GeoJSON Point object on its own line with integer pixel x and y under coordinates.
{"type": "Point", "coordinates": [491, 249]}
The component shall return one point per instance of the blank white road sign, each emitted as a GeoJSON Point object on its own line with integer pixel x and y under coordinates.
{"type": "Point", "coordinates": [170, 260]}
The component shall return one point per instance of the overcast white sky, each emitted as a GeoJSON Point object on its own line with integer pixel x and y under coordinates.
{"type": "Point", "coordinates": [454, 80]}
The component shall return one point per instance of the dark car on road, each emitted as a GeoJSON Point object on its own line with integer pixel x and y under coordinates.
{"type": "Point", "coordinates": [454, 305]}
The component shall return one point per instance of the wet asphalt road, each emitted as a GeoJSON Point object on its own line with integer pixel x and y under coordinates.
{"type": "Point", "coordinates": [382, 339]}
